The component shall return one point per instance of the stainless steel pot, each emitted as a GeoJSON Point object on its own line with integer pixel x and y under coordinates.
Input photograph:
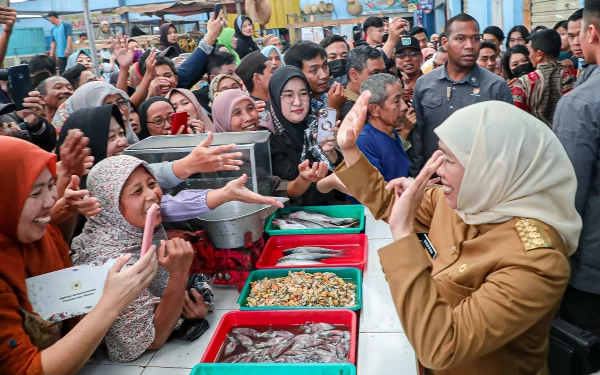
{"type": "Point", "coordinates": [231, 224]}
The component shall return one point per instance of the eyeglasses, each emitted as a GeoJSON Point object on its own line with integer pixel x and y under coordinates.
{"type": "Point", "coordinates": [123, 104]}
{"type": "Point", "coordinates": [160, 122]}
{"type": "Point", "coordinates": [513, 40]}
{"type": "Point", "coordinates": [411, 54]}
{"type": "Point", "coordinates": [288, 98]}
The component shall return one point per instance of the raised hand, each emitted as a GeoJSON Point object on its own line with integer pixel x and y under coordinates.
{"type": "Point", "coordinates": [237, 191]}
{"type": "Point", "coordinates": [119, 48]}
{"type": "Point", "coordinates": [204, 159]}
{"type": "Point", "coordinates": [353, 123]}
{"type": "Point", "coordinates": [176, 256]}
{"type": "Point", "coordinates": [214, 26]}
{"type": "Point", "coordinates": [8, 17]}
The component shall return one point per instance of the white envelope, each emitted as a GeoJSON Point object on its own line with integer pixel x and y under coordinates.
{"type": "Point", "coordinates": [70, 292]}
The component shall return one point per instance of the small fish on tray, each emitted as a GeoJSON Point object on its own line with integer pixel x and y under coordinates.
{"type": "Point", "coordinates": [313, 220]}
{"type": "Point", "coordinates": [305, 255]}
{"type": "Point", "coordinates": [308, 343]}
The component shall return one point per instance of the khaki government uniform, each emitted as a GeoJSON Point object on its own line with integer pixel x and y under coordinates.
{"type": "Point", "coordinates": [485, 304]}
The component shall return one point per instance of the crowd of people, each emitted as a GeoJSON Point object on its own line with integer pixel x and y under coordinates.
{"type": "Point", "coordinates": [487, 141]}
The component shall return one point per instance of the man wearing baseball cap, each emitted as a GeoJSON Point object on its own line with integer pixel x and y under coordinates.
{"type": "Point", "coordinates": [62, 40]}
{"type": "Point", "coordinates": [409, 59]}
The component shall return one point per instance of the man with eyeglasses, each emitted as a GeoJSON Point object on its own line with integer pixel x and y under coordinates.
{"type": "Point", "coordinates": [460, 83]}
{"type": "Point", "coordinates": [409, 60]}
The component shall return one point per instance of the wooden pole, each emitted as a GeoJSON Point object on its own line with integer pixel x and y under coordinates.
{"type": "Point", "coordinates": [526, 14]}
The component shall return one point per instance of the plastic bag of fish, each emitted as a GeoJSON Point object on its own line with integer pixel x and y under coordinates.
{"type": "Point", "coordinates": [313, 220]}
{"type": "Point", "coordinates": [319, 289]}
{"type": "Point", "coordinates": [314, 343]}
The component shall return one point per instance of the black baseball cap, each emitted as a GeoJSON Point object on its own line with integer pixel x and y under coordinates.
{"type": "Point", "coordinates": [52, 14]}
{"type": "Point", "coordinates": [408, 42]}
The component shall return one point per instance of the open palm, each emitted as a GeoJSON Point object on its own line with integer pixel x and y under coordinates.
{"type": "Point", "coordinates": [354, 122]}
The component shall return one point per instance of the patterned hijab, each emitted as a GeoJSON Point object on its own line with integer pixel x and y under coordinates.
{"type": "Point", "coordinates": [109, 235]}
{"type": "Point", "coordinates": [214, 85]}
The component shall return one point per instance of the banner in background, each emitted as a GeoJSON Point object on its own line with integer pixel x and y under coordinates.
{"type": "Point", "coordinates": [389, 6]}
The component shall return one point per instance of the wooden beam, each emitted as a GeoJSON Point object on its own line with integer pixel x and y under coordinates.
{"type": "Point", "coordinates": [352, 21]}
{"type": "Point", "coordinates": [526, 14]}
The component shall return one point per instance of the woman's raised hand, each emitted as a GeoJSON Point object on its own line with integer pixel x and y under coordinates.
{"type": "Point", "coordinates": [237, 191]}
{"type": "Point", "coordinates": [204, 159]}
{"type": "Point", "coordinates": [176, 256]}
{"type": "Point", "coordinates": [316, 173]}
{"type": "Point", "coordinates": [353, 123]}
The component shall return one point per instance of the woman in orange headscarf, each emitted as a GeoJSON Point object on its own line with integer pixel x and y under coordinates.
{"type": "Point", "coordinates": [30, 245]}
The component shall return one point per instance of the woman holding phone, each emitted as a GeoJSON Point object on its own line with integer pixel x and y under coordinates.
{"type": "Point", "coordinates": [185, 101]}
{"type": "Point", "coordinates": [32, 245]}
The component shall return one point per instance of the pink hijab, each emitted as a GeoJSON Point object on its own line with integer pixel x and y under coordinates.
{"type": "Point", "coordinates": [224, 105]}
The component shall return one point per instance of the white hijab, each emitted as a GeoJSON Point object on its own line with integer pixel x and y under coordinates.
{"type": "Point", "coordinates": [514, 167]}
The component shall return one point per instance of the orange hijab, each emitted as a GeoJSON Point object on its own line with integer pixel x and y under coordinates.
{"type": "Point", "coordinates": [21, 163]}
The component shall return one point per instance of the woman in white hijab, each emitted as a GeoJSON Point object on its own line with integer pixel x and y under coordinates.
{"type": "Point", "coordinates": [481, 296]}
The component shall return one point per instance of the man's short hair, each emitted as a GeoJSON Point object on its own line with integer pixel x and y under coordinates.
{"type": "Point", "coordinates": [371, 22]}
{"type": "Point", "coordinates": [73, 74]}
{"type": "Point", "coordinates": [539, 28]}
{"type": "Point", "coordinates": [548, 41]}
{"type": "Point", "coordinates": [561, 24]}
{"type": "Point", "coordinates": [82, 34]}
{"type": "Point", "coordinates": [463, 17]}
{"type": "Point", "coordinates": [302, 51]}
{"type": "Point", "coordinates": [489, 45]}
{"type": "Point", "coordinates": [162, 60]}
{"type": "Point", "coordinates": [254, 62]}
{"type": "Point", "coordinates": [495, 31]}
{"type": "Point", "coordinates": [359, 56]}
{"type": "Point", "coordinates": [217, 60]}
{"type": "Point", "coordinates": [576, 16]}
{"type": "Point", "coordinates": [591, 12]}
{"type": "Point", "coordinates": [42, 63]}
{"type": "Point", "coordinates": [417, 30]}
{"type": "Point", "coordinates": [326, 42]}
{"type": "Point", "coordinates": [378, 84]}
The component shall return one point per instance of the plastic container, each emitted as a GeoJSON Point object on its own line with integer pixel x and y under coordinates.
{"type": "Point", "coordinates": [356, 211]}
{"type": "Point", "coordinates": [274, 369]}
{"type": "Point", "coordinates": [353, 275]}
{"type": "Point", "coordinates": [355, 248]}
{"type": "Point", "coordinates": [277, 318]}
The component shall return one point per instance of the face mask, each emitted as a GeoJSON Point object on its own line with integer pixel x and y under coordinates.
{"type": "Point", "coordinates": [523, 69]}
{"type": "Point", "coordinates": [136, 56]}
{"type": "Point", "coordinates": [337, 67]}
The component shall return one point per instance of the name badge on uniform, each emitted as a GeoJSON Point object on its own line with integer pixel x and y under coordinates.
{"type": "Point", "coordinates": [427, 245]}
{"type": "Point", "coordinates": [476, 91]}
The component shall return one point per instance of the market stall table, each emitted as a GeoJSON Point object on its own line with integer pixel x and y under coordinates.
{"type": "Point", "coordinates": [382, 345]}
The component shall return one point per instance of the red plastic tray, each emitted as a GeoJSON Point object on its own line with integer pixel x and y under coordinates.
{"type": "Point", "coordinates": [279, 318]}
{"type": "Point", "coordinates": [355, 248]}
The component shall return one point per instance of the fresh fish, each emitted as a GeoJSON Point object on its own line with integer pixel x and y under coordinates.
{"type": "Point", "coordinates": [306, 256]}
{"type": "Point", "coordinates": [298, 263]}
{"type": "Point", "coordinates": [310, 249]}
{"type": "Point", "coordinates": [281, 348]}
{"type": "Point", "coordinates": [324, 220]}
{"type": "Point", "coordinates": [287, 224]}
{"type": "Point", "coordinates": [233, 343]}
{"type": "Point", "coordinates": [307, 223]}
{"type": "Point", "coordinates": [316, 327]}
{"type": "Point", "coordinates": [272, 342]}
{"type": "Point", "coordinates": [244, 340]}
{"type": "Point", "coordinates": [245, 331]}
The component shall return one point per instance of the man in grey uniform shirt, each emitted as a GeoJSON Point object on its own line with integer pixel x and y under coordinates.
{"type": "Point", "coordinates": [577, 125]}
{"type": "Point", "coordinates": [458, 84]}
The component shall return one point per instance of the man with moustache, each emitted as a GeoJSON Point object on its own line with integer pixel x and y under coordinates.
{"type": "Point", "coordinates": [460, 83]}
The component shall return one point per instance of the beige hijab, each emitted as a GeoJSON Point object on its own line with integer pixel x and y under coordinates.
{"type": "Point", "coordinates": [514, 167]}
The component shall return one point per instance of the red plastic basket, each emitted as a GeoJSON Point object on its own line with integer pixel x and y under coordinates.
{"type": "Point", "coordinates": [253, 319]}
{"type": "Point", "coordinates": [355, 248]}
